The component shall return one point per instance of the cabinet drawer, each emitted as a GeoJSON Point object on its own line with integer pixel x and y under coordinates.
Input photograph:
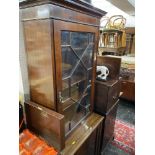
{"type": "Point", "coordinates": [113, 95]}
{"type": "Point", "coordinates": [106, 95]}
{"type": "Point", "coordinates": [46, 123]}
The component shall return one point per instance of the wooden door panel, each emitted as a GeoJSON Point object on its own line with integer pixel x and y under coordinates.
{"type": "Point", "coordinates": [75, 56]}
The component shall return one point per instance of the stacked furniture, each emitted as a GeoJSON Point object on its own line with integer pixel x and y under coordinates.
{"type": "Point", "coordinates": [107, 96]}
{"type": "Point", "coordinates": [61, 45]}
{"type": "Point", "coordinates": [112, 42]}
{"type": "Point", "coordinates": [127, 73]}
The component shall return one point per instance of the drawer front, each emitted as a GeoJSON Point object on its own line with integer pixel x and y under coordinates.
{"type": "Point", "coordinates": [46, 123]}
{"type": "Point", "coordinates": [101, 98]}
{"type": "Point", "coordinates": [113, 95]}
{"type": "Point", "coordinates": [108, 127]}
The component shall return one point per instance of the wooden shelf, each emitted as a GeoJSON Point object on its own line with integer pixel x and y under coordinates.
{"type": "Point", "coordinates": [118, 51]}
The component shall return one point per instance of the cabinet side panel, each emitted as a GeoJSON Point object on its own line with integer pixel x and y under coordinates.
{"type": "Point", "coordinates": [39, 59]}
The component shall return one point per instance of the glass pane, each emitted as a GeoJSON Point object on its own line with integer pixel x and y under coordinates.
{"type": "Point", "coordinates": [73, 115]}
{"type": "Point", "coordinates": [79, 42]}
{"type": "Point", "coordinates": [69, 60]}
{"type": "Point", "coordinates": [79, 74]}
{"type": "Point", "coordinates": [65, 38]}
{"type": "Point", "coordinates": [65, 94]}
{"type": "Point", "coordinates": [81, 112]}
{"type": "Point", "coordinates": [91, 38]}
{"type": "Point", "coordinates": [77, 90]}
{"type": "Point", "coordinates": [89, 76]}
{"type": "Point", "coordinates": [69, 113]}
{"type": "Point", "coordinates": [88, 55]}
{"type": "Point", "coordinates": [85, 102]}
{"type": "Point", "coordinates": [65, 89]}
{"type": "Point", "coordinates": [77, 52]}
{"type": "Point", "coordinates": [65, 84]}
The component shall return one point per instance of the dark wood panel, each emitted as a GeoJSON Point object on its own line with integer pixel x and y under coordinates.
{"type": "Point", "coordinates": [113, 64]}
{"type": "Point", "coordinates": [40, 59]}
{"type": "Point", "coordinates": [76, 5]}
{"type": "Point", "coordinates": [128, 89]}
{"type": "Point", "coordinates": [108, 127]}
{"type": "Point", "coordinates": [46, 123]}
{"type": "Point", "coordinates": [58, 12]}
{"type": "Point", "coordinates": [77, 141]}
{"type": "Point", "coordinates": [106, 94]}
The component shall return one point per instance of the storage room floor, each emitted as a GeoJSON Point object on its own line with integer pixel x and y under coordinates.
{"type": "Point", "coordinates": [124, 140]}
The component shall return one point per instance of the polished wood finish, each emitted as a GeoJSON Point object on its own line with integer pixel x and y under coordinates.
{"type": "Point", "coordinates": [130, 40]}
{"type": "Point", "coordinates": [40, 60]}
{"type": "Point", "coordinates": [128, 89]}
{"type": "Point", "coordinates": [43, 22]}
{"type": "Point", "coordinates": [46, 123]}
{"type": "Point", "coordinates": [113, 64]}
{"type": "Point", "coordinates": [130, 30]}
{"type": "Point", "coordinates": [106, 95]}
{"type": "Point", "coordinates": [108, 127]}
{"type": "Point", "coordinates": [85, 139]}
{"type": "Point", "coordinates": [58, 12]}
{"type": "Point", "coordinates": [76, 5]}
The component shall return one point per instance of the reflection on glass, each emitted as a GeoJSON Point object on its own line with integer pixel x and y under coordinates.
{"type": "Point", "coordinates": [74, 114]}
{"type": "Point", "coordinates": [69, 60]}
{"type": "Point", "coordinates": [77, 57]}
{"type": "Point", "coordinates": [79, 42]}
{"type": "Point", "coordinates": [87, 57]}
{"type": "Point", "coordinates": [89, 76]}
{"type": "Point", "coordinates": [79, 74]}
{"type": "Point", "coordinates": [65, 89]}
{"type": "Point", "coordinates": [91, 38]}
{"type": "Point", "coordinates": [77, 90]}
{"type": "Point", "coordinates": [65, 84]}
{"type": "Point", "coordinates": [65, 38]}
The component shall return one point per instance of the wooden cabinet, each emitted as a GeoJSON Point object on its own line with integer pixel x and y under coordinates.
{"type": "Point", "coordinates": [106, 95]}
{"type": "Point", "coordinates": [106, 103]}
{"type": "Point", "coordinates": [108, 127]}
{"type": "Point", "coordinates": [112, 42]}
{"type": "Point", "coordinates": [61, 45]}
{"type": "Point", "coordinates": [86, 138]}
{"type": "Point", "coordinates": [128, 89]}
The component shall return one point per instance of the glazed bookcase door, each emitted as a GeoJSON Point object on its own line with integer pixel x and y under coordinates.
{"type": "Point", "coordinates": [75, 55]}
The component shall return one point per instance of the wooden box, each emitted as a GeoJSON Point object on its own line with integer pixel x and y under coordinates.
{"type": "Point", "coordinates": [106, 95]}
{"type": "Point", "coordinates": [113, 64]}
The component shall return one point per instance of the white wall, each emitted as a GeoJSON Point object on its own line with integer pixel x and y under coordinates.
{"type": "Point", "coordinates": [112, 10]}
{"type": "Point", "coordinates": [23, 73]}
